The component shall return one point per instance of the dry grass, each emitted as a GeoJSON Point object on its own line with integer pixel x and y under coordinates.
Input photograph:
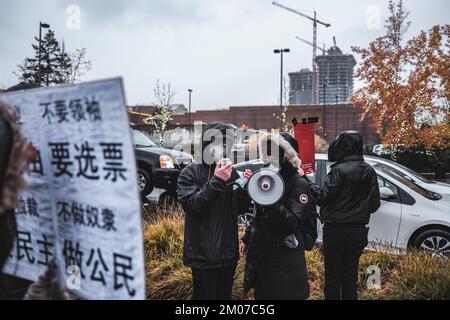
{"type": "Point", "coordinates": [412, 275]}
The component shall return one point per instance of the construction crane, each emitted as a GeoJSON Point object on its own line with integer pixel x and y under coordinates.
{"type": "Point", "coordinates": [315, 23]}
{"type": "Point", "coordinates": [312, 44]}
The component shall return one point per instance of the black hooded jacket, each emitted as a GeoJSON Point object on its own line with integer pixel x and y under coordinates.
{"type": "Point", "coordinates": [275, 263]}
{"type": "Point", "coordinates": [211, 210]}
{"type": "Point", "coordinates": [286, 217]}
{"type": "Point", "coordinates": [350, 193]}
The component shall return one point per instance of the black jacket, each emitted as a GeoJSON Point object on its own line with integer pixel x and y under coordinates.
{"type": "Point", "coordinates": [211, 210]}
{"type": "Point", "coordinates": [275, 223]}
{"type": "Point", "coordinates": [350, 193]}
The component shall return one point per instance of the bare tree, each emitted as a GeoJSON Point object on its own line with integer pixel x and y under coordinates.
{"type": "Point", "coordinates": [283, 109]}
{"type": "Point", "coordinates": [80, 65]}
{"type": "Point", "coordinates": [161, 117]}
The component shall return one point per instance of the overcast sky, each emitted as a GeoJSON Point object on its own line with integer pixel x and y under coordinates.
{"type": "Point", "coordinates": [222, 49]}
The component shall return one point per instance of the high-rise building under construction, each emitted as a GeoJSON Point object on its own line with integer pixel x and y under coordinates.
{"type": "Point", "coordinates": [335, 85]}
{"type": "Point", "coordinates": [301, 87]}
{"type": "Point", "coordinates": [335, 76]}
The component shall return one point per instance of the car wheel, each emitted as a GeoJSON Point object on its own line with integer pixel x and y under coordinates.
{"type": "Point", "coordinates": [436, 241]}
{"type": "Point", "coordinates": [145, 184]}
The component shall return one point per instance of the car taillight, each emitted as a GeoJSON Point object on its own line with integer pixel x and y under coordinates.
{"type": "Point", "coordinates": [166, 162]}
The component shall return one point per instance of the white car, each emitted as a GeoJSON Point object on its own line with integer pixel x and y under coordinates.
{"type": "Point", "coordinates": [438, 187]}
{"type": "Point", "coordinates": [409, 216]}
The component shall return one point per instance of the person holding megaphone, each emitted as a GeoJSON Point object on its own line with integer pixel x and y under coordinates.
{"type": "Point", "coordinates": [275, 242]}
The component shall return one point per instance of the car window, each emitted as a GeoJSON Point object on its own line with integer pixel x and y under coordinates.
{"type": "Point", "coordinates": [393, 173]}
{"type": "Point", "coordinates": [409, 171]}
{"type": "Point", "coordinates": [141, 140]}
{"type": "Point", "coordinates": [416, 175]}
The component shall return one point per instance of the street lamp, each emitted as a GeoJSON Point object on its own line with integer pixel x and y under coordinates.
{"type": "Point", "coordinates": [335, 116]}
{"type": "Point", "coordinates": [45, 26]}
{"type": "Point", "coordinates": [281, 51]}
{"type": "Point", "coordinates": [325, 84]}
{"type": "Point", "coordinates": [189, 114]}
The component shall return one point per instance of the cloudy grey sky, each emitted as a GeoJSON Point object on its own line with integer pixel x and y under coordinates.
{"type": "Point", "coordinates": [220, 48]}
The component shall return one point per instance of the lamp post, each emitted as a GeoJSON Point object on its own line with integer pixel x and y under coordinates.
{"type": "Point", "coordinates": [281, 51]}
{"type": "Point", "coordinates": [45, 26]}
{"type": "Point", "coordinates": [189, 114]}
{"type": "Point", "coordinates": [335, 116]}
{"type": "Point", "coordinates": [325, 84]}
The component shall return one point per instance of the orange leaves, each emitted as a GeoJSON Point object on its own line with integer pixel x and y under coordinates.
{"type": "Point", "coordinates": [407, 85]}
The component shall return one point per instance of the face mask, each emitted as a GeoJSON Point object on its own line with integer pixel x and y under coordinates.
{"type": "Point", "coordinates": [217, 152]}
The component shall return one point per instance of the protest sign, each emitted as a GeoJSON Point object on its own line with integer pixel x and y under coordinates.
{"type": "Point", "coordinates": [304, 134]}
{"type": "Point", "coordinates": [82, 206]}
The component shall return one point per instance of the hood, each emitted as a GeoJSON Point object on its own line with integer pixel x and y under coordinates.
{"type": "Point", "coordinates": [347, 143]}
{"type": "Point", "coordinates": [210, 133]}
{"type": "Point", "coordinates": [286, 152]}
{"type": "Point", "coordinates": [440, 187]}
{"type": "Point", "coordinates": [445, 197]}
{"type": "Point", "coordinates": [292, 141]}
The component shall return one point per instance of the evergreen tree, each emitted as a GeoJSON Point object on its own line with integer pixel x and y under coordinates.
{"type": "Point", "coordinates": [56, 65]}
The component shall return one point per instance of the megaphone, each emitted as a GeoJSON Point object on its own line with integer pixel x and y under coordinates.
{"type": "Point", "coordinates": [265, 187]}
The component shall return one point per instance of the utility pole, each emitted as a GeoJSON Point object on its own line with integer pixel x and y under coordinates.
{"type": "Point", "coordinates": [335, 115]}
{"type": "Point", "coordinates": [281, 51]}
{"type": "Point", "coordinates": [41, 26]}
{"type": "Point", "coordinates": [189, 114]}
{"type": "Point", "coordinates": [324, 114]}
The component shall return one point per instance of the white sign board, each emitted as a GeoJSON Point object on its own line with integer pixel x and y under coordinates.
{"type": "Point", "coordinates": [82, 206]}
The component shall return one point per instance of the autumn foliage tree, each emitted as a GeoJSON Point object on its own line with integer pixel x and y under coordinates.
{"type": "Point", "coordinates": [407, 83]}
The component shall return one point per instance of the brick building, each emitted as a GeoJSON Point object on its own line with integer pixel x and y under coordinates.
{"type": "Point", "coordinates": [332, 119]}
{"type": "Point", "coordinates": [329, 119]}
{"type": "Point", "coordinates": [261, 117]}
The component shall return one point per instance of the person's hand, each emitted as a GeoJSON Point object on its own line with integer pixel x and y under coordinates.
{"type": "Point", "coordinates": [223, 172]}
{"type": "Point", "coordinates": [301, 172]}
{"type": "Point", "coordinates": [48, 286]}
{"type": "Point", "coordinates": [247, 174]}
{"type": "Point", "coordinates": [242, 249]}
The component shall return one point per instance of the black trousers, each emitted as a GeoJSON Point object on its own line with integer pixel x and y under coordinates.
{"type": "Point", "coordinates": [213, 284]}
{"type": "Point", "coordinates": [342, 248]}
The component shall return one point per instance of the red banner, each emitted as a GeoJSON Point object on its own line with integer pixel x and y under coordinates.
{"type": "Point", "coordinates": [304, 133]}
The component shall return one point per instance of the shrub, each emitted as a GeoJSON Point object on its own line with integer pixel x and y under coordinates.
{"type": "Point", "coordinates": [411, 275]}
